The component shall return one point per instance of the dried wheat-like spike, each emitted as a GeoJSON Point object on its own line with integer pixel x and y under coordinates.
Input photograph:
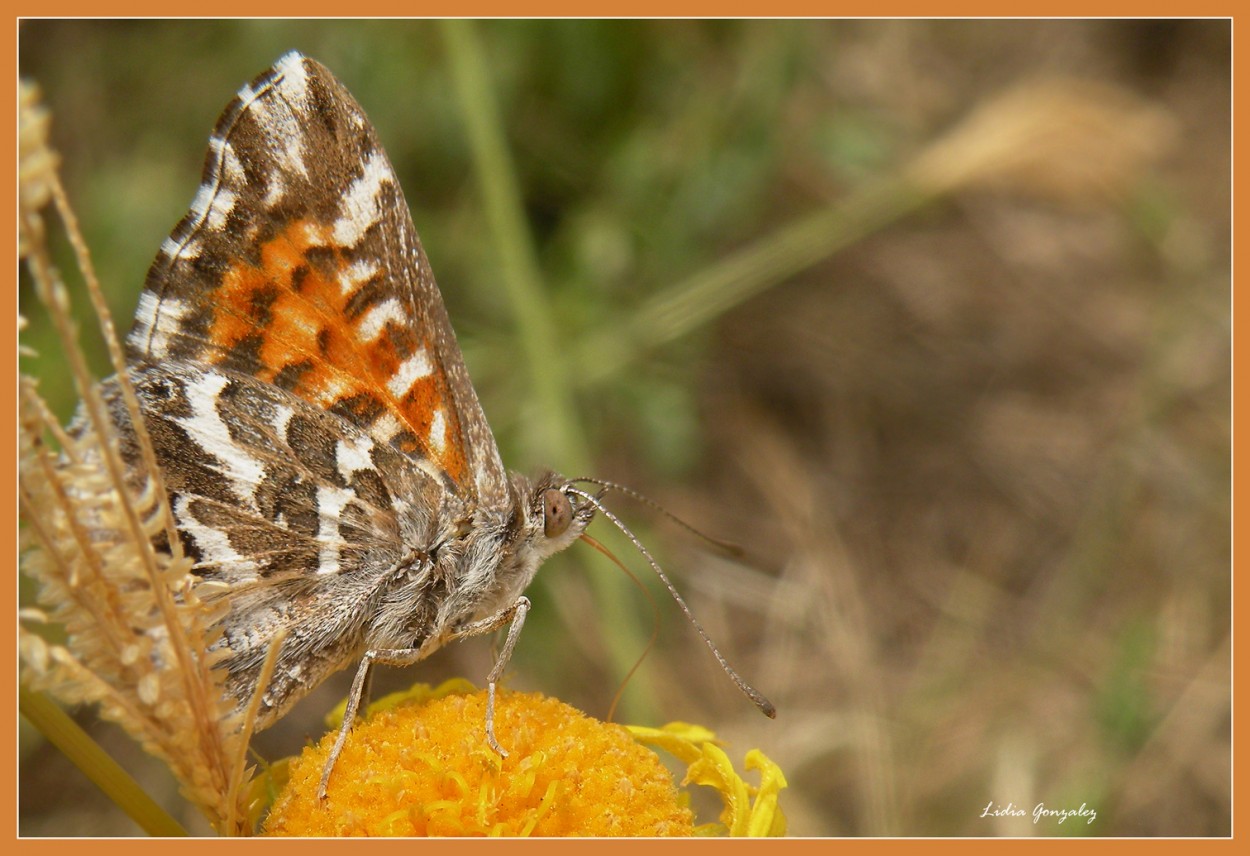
{"type": "Point", "coordinates": [36, 162]}
{"type": "Point", "coordinates": [137, 632]}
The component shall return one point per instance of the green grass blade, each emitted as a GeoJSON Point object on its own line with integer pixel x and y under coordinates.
{"type": "Point", "coordinates": [96, 765]}
{"type": "Point", "coordinates": [554, 432]}
{"type": "Point", "coordinates": [705, 296]}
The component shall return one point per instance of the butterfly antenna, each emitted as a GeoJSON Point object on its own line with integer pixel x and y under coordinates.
{"type": "Point", "coordinates": [727, 546]}
{"type": "Point", "coordinates": [766, 707]}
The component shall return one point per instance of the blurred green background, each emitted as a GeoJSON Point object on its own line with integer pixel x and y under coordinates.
{"type": "Point", "coordinates": [933, 318]}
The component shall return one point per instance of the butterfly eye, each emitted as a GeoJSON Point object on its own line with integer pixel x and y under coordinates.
{"type": "Point", "coordinates": [557, 513]}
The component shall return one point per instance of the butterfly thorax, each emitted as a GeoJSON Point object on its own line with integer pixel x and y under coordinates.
{"type": "Point", "coordinates": [477, 566]}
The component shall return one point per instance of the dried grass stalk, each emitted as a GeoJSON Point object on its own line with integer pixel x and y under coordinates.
{"type": "Point", "coordinates": [100, 541]}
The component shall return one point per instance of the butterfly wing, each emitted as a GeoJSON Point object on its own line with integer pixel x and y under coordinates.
{"type": "Point", "coordinates": [298, 518]}
{"type": "Point", "coordinates": [298, 265]}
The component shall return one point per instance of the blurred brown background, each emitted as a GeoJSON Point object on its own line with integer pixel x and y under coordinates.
{"type": "Point", "coordinates": [932, 317]}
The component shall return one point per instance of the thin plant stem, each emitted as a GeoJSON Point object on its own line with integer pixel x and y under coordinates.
{"type": "Point", "coordinates": [96, 765]}
{"type": "Point", "coordinates": [702, 298]}
{"type": "Point", "coordinates": [554, 428]}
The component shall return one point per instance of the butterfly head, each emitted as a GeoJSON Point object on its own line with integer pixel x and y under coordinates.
{"type": "Point", "coordinates": [555, 516]}
{"type": "Point", "coordinates": [546, 518]}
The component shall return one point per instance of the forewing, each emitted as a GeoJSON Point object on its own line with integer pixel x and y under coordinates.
{"type": "Point", "coordinates": [298, 265]}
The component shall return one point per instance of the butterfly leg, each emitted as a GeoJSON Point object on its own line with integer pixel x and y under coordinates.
{"type": "Point", "coordinates": [359, 693]}
{"type": "Point", "coordinates": [366, 691]}
{"type": "Point", "coordinates": [514, 616]}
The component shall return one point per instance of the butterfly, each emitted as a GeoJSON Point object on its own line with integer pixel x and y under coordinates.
{"type": "Point", "coordinates": [328, 465]}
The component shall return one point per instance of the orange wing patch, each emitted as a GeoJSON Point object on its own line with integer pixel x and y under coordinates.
{"type": "Point", "coordinates": [343, 341]}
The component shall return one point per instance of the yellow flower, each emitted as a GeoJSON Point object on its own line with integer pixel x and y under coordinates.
{"type": "Point", "coordinates": [749, 812]}
{"type": "Point", "coordinates": [419, 765]}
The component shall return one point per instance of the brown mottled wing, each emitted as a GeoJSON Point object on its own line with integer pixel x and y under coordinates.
{"type": "Point", "coordinates": [298, 265]}
{"type": "Point", "coordinates": [299, 518]}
